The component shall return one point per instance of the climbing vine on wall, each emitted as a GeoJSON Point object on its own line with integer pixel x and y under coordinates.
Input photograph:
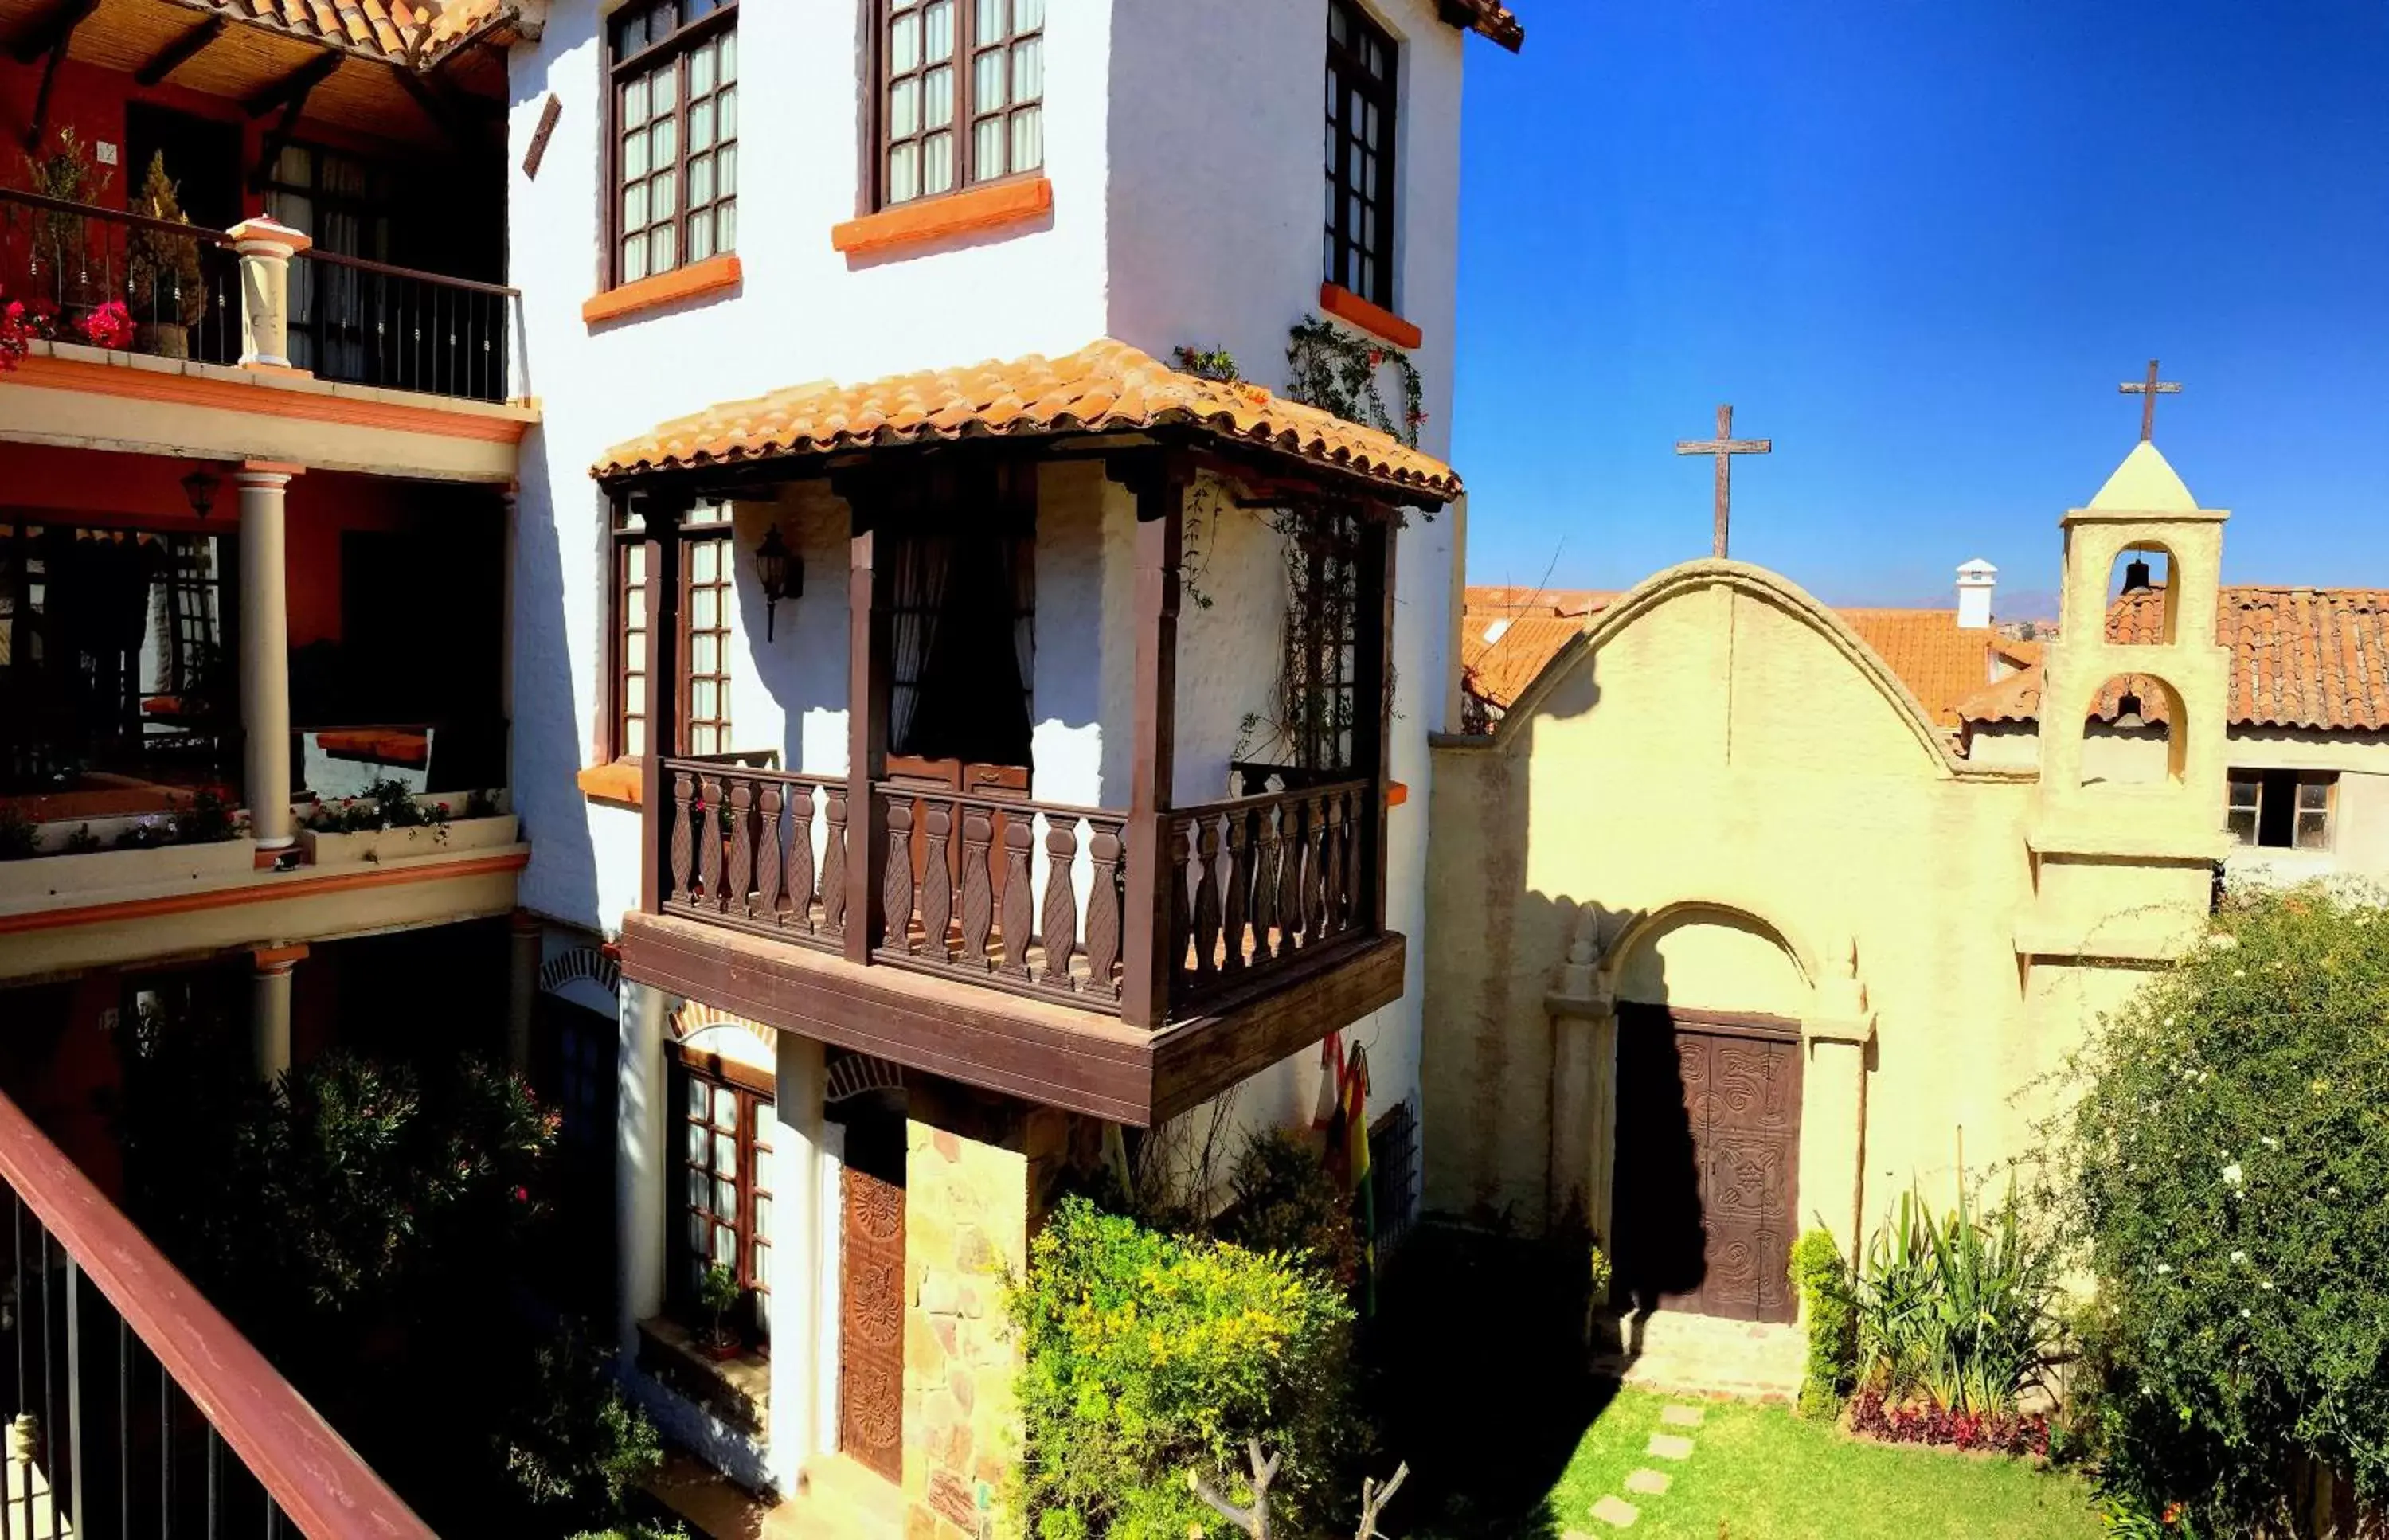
{"type": "Point", "coordinates": [1336, 371]}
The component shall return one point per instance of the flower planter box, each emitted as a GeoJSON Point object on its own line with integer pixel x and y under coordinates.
{"type": "Point", "coordinates": [383, 844]}
{"type": "Point", "coordinates": [99, 872]}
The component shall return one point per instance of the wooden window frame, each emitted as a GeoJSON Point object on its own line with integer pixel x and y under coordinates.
{"type": "Point", "coordinates": [612, 75]}
{"type": "Point", "coordinates": [2270, 784]}
{"type": "Point", "coordinates": [667, 551]}
{"type": "Point", "coordinates": [754, 1089]}
{"type": "Point", "coordinates": [1350, 80]}
{"type": "Point", "coordinates": [684, 686]}
{"type": "Point", "coordinates": [966, 116]}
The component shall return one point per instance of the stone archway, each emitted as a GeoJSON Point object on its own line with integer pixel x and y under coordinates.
{"type": "Point", "coordinates": [1759, 1033]}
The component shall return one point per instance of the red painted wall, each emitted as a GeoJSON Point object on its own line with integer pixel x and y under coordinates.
{"type": "Point", "coordinates": [146, 491]}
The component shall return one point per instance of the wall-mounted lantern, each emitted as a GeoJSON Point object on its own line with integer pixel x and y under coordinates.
{"type": "Point", "coordinates": [200, 488]}
{"type": "Point", "coordinates": [781, 575]}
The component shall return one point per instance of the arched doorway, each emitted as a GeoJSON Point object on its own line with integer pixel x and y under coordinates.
{"type": "Point", "coordinates": [1707, 1161]}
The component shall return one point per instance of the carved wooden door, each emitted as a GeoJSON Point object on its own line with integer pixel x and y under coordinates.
{"type": "Point", "coordinates": [871, 1323]}
{"type": "Point", "coordinates": [1708, 1149]}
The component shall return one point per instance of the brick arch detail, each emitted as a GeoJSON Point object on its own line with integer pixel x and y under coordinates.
{"type": "Point", "coordinates": [580, 963]}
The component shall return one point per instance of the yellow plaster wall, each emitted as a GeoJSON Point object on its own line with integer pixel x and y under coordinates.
{"type": "Point", "coordinates": [1727, 803]}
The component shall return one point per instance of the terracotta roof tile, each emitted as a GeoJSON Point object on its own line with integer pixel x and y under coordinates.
{"type": "Point", "coordinates": [416, 33]}
{"type": "Point", "coordinates": [1939, 661]}
{"type": "Point", "coordinates": [2309, 657]}
{"type": "Point", "coordinates": [1489, 17]}
{"type": "Point", "coordinates": [1509, 635]}
{"type": "Point", "coordinates": [1107, 387]}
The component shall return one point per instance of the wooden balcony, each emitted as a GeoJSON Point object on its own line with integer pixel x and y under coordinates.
{"type": "Point", "coordinates": [995, 950]}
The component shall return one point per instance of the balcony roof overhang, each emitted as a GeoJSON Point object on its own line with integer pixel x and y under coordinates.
{"type": "Point", "coordinates": [1105, 396]}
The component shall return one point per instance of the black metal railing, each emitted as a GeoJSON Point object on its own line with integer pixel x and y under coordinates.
{"type": "Point", "coordinates": [368, 323]}
{"type": "Point", "coordinates": [132, 1406]}
{"type": "Point", "coordinates": [107, 278]}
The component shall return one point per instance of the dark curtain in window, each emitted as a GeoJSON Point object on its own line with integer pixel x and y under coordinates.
{"type": "Point", "coordinates": [963, 634]}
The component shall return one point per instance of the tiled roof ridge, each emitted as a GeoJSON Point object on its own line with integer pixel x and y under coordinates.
{"type": "Point", "coordinates": [1107, 386]}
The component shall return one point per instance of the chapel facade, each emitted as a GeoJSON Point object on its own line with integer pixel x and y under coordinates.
{"type": "Point", "coordinates": [1727, 941]}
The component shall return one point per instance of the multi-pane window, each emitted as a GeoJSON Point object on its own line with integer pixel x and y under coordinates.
{"type": "Point", "coordinates": [961, 93]}
{"type": "Point", "coordinates": [1359, 237]}
{"type": "Point", "coordinates": [675, 134]}
{"type": "Point", "coordinates": [629, 735]}
{"type": "Point", "coordinates": [707, 571]}
{"type": "Point", "coordinates": [2284, 809]}
{"type": "Point", "coordinates": [725, 1186]}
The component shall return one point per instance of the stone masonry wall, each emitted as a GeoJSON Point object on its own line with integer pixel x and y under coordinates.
{"type": "Point", "coordinates": [974, 1177]}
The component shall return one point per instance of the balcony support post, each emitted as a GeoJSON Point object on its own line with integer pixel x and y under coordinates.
{"type": "Point", "coordinates": [265, 251]}
{"type": "Point", "coordinates": [265, 655]}
{"type": "Point", "coordinates": [269, 1018]}
{"type": "Point", "coordinates": [868, 672]}
{"type": "Point", "coordinates": [1148, 967]}
{"type": "Point", "coordinates": [1372, 736]}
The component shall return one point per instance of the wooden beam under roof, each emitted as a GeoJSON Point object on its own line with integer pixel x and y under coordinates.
{"type": "Point", "coordinates": [179, 52]}
{"type": "Point", "coordinates": [49, 35]}
{"type": "Point", "coordinates": [292, 89]}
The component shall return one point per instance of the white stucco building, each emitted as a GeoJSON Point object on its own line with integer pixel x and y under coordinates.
{"type": "Point", "coordinates": [889, 292]}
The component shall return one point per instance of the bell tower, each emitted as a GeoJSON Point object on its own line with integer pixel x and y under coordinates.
{"type": "Point", "coordinates": [2128, 827]}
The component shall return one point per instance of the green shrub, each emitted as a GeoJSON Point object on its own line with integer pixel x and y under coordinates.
{"type": "Point", "coordinates": [2226, 1171]}
{"type": "Point", "coordinates": [1829, 1303]}
{"type": "Point", "coordinates": [1145, 1356]}
{"type": "Point", "coordinates": [1284, 1201]}
{"type": "Point", "coordinates": [573, 1445]}
{"type": "Point", "coordinates": [1957, 1313]}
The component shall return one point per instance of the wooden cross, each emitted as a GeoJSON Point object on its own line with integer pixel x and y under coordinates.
{"type": "Point", "coordinates": [1725, 446]}
{"type": "Point", "coordinates": [2149, 391]}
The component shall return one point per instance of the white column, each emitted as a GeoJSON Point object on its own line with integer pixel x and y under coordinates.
{"type": "Point", "coordinates": [801, 1334]}
{"type": "Point", "coordinates": [265, 251]}
{"type": "Point", "coordinates": [522, 989]}
{"type": "Point", "coordinates": [269, 1012]}
{"type": "Point", "coordinates": [639, 1163]}
{"type": "Point", "coordinates": [264, 652]}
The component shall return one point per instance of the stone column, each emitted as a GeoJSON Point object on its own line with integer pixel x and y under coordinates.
{"type": "Point", "coordinates": [1836, 1036]}
{"type": "Point", "coordinates": [269, 1010]}
{"type": "Point", "coordinates": [639, 1163]}
{"type": "Point", "coordinates": [1583, 1084]}
{"type": "Point", "coordinates": [264, 654]}
{"type": "Point", "coordinates": [265, 251]}
{"type": "Point", "coordinates": [801, 1334]}
{"type": "Point", "coordinates": [522, 987]}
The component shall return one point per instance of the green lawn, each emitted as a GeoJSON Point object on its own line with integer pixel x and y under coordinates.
{"type": "Point", "coordinates": [1760, 1473]}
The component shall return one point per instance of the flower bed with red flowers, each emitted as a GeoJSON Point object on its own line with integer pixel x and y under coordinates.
{"type": "Point", "coordinates": [2000, 1433]}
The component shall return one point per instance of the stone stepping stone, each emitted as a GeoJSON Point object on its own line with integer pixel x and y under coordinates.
{"type": "Point", "coordinates": [1647, 1483]}
{"type": "Point", "coordinates": [1682, 1417]}
{"type": "Point", "coordinates": [1670, 1446]}
{"type": "Point", "coordinates": [1617, 1512]}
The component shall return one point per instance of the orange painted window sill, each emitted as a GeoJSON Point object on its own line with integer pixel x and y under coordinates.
{"type": "Point", "coordinates": [708, 276]}
{"type": "Point", "coordinates": [986, 208]}
{"type": "Point", "coordinates": [1378, 320]}
{"type": "Point", "coordinates": [618, 783]}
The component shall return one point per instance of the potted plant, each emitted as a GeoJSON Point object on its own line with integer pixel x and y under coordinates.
{"type": "Point", "coordinates": [718, 1293]}
{"type": "Point", "coordinates": [67, 173]}
{"type": "Point", "coordinates": [163, 271]}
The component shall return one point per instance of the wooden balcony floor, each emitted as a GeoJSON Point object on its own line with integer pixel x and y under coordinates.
{"type": "Point", "coordinates": [1036, 1049]}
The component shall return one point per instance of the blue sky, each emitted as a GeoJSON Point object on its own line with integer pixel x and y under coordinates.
{"type": "Point", "coordinates": [1919, 245]}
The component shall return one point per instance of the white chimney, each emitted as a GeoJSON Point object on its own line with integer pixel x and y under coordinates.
{"type": "Point", "coordinates": [1975, 580]}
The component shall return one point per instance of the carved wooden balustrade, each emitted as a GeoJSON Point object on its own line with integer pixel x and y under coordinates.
{"type": "Point", "coordinates": [1032, 897]}
{"type": "Point", "coordinates": [756, 848]}
{"type": "Point", "coordinates": [1260, 881]}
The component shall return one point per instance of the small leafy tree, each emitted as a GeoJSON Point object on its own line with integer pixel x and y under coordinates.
{"type": "Point", "coordinates": [165, 268]}
{"type": "Point", "coordinates": [1829, 1302]}
{"type": "Point", "coordinates": [1146, 1357]}
{"type": "Point", "coordinates": [572, 1442]}
{"type": "Point", "coordinates": [2226, 1172]}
